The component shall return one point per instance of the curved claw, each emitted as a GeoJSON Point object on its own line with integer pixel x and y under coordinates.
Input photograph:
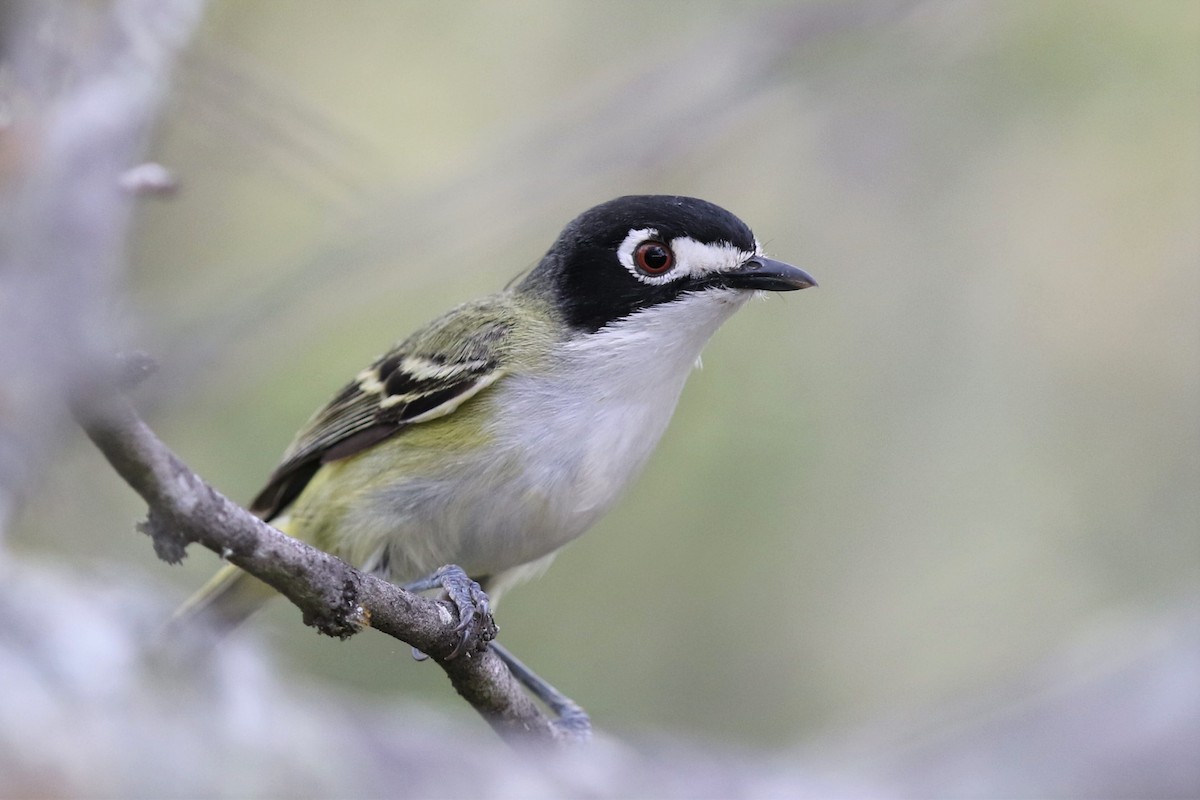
{"type": "Point", "coordinates": [475, 621]}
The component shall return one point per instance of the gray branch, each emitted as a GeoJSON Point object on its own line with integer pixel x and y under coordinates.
{"type": "Point", "coordinates": [334, 598]}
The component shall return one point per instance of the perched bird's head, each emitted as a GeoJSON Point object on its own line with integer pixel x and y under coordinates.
{"type": "Point", "coordinates": [641, 251]}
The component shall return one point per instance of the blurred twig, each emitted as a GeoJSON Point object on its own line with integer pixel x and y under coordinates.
{"type": "Point", "coordinates": [79, 94]}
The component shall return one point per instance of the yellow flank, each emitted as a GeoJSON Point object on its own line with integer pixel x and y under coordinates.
{"type": "Point", "coordinates": [416, 451]}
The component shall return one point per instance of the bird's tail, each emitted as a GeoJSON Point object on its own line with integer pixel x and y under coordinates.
{"type": "Point", "coordinates": [226, 600]}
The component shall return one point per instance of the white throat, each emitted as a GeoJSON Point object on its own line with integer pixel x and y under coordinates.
{"type": "Point", "coordinates": [652, 350]}
{"type": "Point", "coordinates": [590, 423]}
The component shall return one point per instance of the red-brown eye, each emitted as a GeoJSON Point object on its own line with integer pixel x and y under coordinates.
{"type": "Point", "coordinates": [653, 258]}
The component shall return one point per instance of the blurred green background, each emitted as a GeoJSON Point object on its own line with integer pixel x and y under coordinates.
{"type": "Point", "coordinates": [978, 439]}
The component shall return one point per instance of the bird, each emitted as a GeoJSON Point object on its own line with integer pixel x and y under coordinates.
{"type": "Point", "coordinates": [469, 454]}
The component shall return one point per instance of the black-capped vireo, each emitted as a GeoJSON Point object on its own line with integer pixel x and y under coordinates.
{"type": "Point", "coordinates": [504, 429]}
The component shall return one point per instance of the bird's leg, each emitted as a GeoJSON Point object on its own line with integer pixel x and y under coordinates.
{"type": "Point", "coordinates": [572, 719]}
{"type": "Point", "coordinates": [479, 631]}
{"type": "Point", "coordinates": [475, 621]}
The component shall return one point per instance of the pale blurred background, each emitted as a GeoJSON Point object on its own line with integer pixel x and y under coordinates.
{"type": "Point", "coordinates": [973, 448]}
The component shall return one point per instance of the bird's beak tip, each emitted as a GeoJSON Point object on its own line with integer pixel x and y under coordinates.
{"type": "Point", "coordinates": [770, 275]}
